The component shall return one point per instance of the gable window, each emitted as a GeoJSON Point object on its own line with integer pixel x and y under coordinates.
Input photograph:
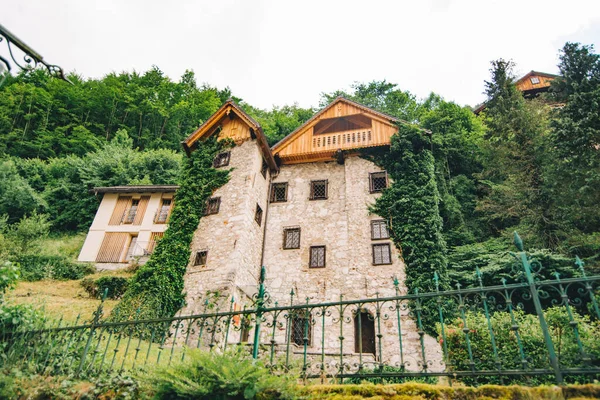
{"type": "Point", "coordinates": [200, 258]}
{"type": "Point", "coordinates": [162, 215]}
{"type": "Point", "coordinates": [263, 169]}
{"type": "Point", "coordinates": [382, 254]}
{"type": "Point", "coordinates": [377, 181]}
{"type": "Point", "coordinates": [222, 159]}
{"type": "Point", "coordinates": [318, 190]}
{"type": "Point", "coordinates": [291, 238]}
{"type": "Point", "coordinates": [212, 205]}
{"type": "Point", "coordinates": [258, 215]}
{"type": "Point", "coordinates": [129, 216]}
{"type": "Point", "coordinates": [534, 80]}
{"type": "Point", "coordinates": [301, 329]}
{"type": "Point", "coordinates": [279, 192]}
{"type": "Point", "coordinates": [379, 230]}
{"type": "Point", "coordinates": [317, 257]}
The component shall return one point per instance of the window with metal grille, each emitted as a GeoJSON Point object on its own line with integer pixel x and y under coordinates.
{"type": "Point", "coordinates": [378, 181]}
{"type": "Point", "coordinates": [318, 190]}
{"type": "Point", "coordinates": [163, 212]}
{"type": "Point", "coordinates": [317, 257]}
{"type": "Point", "coordinates": [263, 169]}
{"type": "Point", "coordinates": [129, 216]}
{"type": "Point", "coordinates": [279, 192]}
{"type": "Point", "coordinates": [534, 80]}
{"type": "Point", "coordinates": [212, 206]}
{"type": "Point", "coordinates": [258, 215]}
{"type": "Point", "coordinates": [200, 258]}
{"type": "Point", "coordinates": [300, 328]}
{"type": "Point", "coordinates": [291, 238]}
{"type": "Point", "coordinates": [382, 254]}
{"type": "Point", "coordinates": [222, 159]}
{"type": "Point", "coordinates": [379, 230]}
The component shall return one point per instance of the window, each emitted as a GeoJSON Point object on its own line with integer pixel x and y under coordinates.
{"type": "Point", "coordinates": [379, 230]}
{"type": "Point", "coordinates": [129, 216]}
{"type": "Point", "coordinates": [291, 238]}
{"type": "Point", "coordinates": [222, 159]}
{"type": "Point", "coordinates": [534, 80]}
{"type": "Point", "coordinates": [364, 333]}
{"type": "Point", "coordinates": [201, 257]}
{"type": "Point", "coordinates": [162, 215]}
{"type": "Point", "coordinates": [279, 192]}
{"type": "Point", "coordinates": [263, 169]}
{"type": "Point", "coordinates": [132, 250]}
{"type": "Point", "coordinates": [317, 257]}
{"type": "Point", "coordinates": [377, 181]}
{"type": "Point", "coordinates": [258, 215]}
{"type": "Point", "coordinates": [300, 328]}
{"type": "Point", "coordinates": [382, 254]}
{"type": "Point", "coordinates": [212, 206]}
{"type": "Point", "coordinates": [318, 190]}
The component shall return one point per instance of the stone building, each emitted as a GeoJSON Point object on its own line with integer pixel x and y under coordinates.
{"type": "Point", "coordinates": [301, 209]}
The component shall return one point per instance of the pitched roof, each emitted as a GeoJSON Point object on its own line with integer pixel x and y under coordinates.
{"type": "Point", "coordinates": [135, 189]}
{"type": "Point", "coordinates": [206, 129]}
{"type": "Point", "coordinates": [321, 112]}
{"type": "Point", "coordinates": [537, 73]}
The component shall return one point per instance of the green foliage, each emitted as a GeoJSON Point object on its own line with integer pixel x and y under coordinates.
{"type": "Point", "coordinates": [411, 207]}
{"type": "Point", "coordinates": [532, 339]}
{"type": "Point", "coordinates": [35, 267]}
{"type": "Point", "coordinates": [280, 121]}
{"type": "Point", "coordinates": [17, 197]}
{"type": "Point", "coordinates": [231, 375]}
{"type": "Point", "coordinates": [114, 286]}
{"type": "Point", "coordinates": [9, 274]}
{"type": "Point", "coordinates": [26, 234]}
{"type": "Point", "coordinates": [19, 317]}
{"type": "Point", "coordinates": [156, 289]}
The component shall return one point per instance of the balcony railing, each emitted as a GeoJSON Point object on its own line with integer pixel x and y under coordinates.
{"type": "Point", "coordinates": [342, 140]}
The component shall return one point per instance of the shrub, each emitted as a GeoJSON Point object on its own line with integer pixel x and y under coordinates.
{"type": "Point", "coordinates": [19, 317]}
{"type": "Point", "coordinates": [116, 286]}
{"type": "Point", "coordinates": [231, 375]}
{"type": "Point", "coordinates": [35, 267]}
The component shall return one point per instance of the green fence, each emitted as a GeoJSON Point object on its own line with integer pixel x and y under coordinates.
{"type": "Point", "coordinates": [530, 330]}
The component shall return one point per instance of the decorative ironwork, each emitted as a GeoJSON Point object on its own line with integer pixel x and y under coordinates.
{"type": "Point", "coordinates": [381, 337]}
{"type": "Point", "coordinates": [279, 192]}
{"type": "Point", "coordinates": [318, 190]}
{"type": "Point", "coordinates": [378, 181]}
{"type": "Point", "coordinates": [30, 58]}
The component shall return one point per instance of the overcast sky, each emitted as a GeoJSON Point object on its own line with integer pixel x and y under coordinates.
{"type": "Point", "coordinates": [283, 52]}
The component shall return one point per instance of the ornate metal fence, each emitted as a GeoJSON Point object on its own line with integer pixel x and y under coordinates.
{"type": "Point", "coordinates": [531, 329]}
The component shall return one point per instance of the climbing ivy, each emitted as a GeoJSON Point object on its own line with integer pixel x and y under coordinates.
{"type": "Point", "coordinates": [156, 290]}
{"type": "Point", "coordinates": [411, 207]}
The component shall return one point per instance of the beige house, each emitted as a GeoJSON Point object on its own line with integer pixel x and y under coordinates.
{"type": "Point", "coordinates": [128, 223]}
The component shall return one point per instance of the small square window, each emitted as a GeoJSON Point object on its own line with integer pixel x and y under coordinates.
{"type": "Point", "coordinates": [377, 181]}
{"type": "Point", "coordinates": [534, 80]}
{"type": "Point", "coordinates": [263, 169]}
{"type": "Point", "coordinates": [279, 192]}
{"type": "Point", "coordinates": [291, 238]}
{"type": "Point", "coordinates": [212, 206]}
{"type": "Point", "coordinates": [382, 254]}
{"type": "Point", "coordinates": [317, 257]}
{"type": "Point", "coordinates": [258, 215]}
{"type": "Point", "coordinates": [200, 258]}
{"type": "Point", "coordinates": [222, 159]}
{"type": "Point", "coordinates": [318, 190]}
{"type": "Point", "coordinates": [379, 230]}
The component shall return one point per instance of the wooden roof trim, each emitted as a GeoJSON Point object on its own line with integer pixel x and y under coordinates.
{"type": "Point", "coordinates": [379, 115]}
{"type": "Point", "coordinates": [206, 129]}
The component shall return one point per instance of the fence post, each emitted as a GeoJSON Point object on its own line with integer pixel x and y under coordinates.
{"type": "Point", "coordinates": [259, 311]}
{"type": "Point", "coordinates": [538, 309]}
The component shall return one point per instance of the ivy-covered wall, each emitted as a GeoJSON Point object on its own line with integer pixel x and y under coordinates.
{"type": "Point", "coordinates": [156, 290]}
{"type": "Point", "coordinates": [411, 207]}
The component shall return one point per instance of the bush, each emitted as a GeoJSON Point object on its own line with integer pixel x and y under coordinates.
{"type": "Point", "coordinates": [35, 267]}
{"type": "Point", "coordinates": [532, 339]}
{"type": "Point", "coordinates": [232, 375]}
{"type": "Point", "coordinates": [116, 286]}
{"type": "Point", "coordinates": [19, 317]}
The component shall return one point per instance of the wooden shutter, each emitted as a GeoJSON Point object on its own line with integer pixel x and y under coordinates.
{"type": "Point", "coordinates": [141, 210]}
{"type": "Point", "coordinates": [112, 247]}
{"type": "Point", "coordinates": [120, 207]}
{"type": "Point", "coordinates": [154, 237]}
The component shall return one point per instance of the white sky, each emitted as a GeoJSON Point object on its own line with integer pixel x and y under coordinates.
{"type": "Point", "coordinates": [282, 52]}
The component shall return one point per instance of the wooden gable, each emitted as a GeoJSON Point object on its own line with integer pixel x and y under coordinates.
{"type": "Point", "coordinates": [535, 82]}
{"type": "Point", "coordinates": [231, 122]}
{"type": "Point", "coordinates": [342, 125]}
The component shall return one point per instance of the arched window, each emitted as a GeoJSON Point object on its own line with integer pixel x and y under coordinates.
{"type": "Point", "coordinates": [364, 333]}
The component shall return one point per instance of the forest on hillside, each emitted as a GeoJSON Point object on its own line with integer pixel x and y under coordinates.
{"type": "Point", "coordinates": [519, 166]}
